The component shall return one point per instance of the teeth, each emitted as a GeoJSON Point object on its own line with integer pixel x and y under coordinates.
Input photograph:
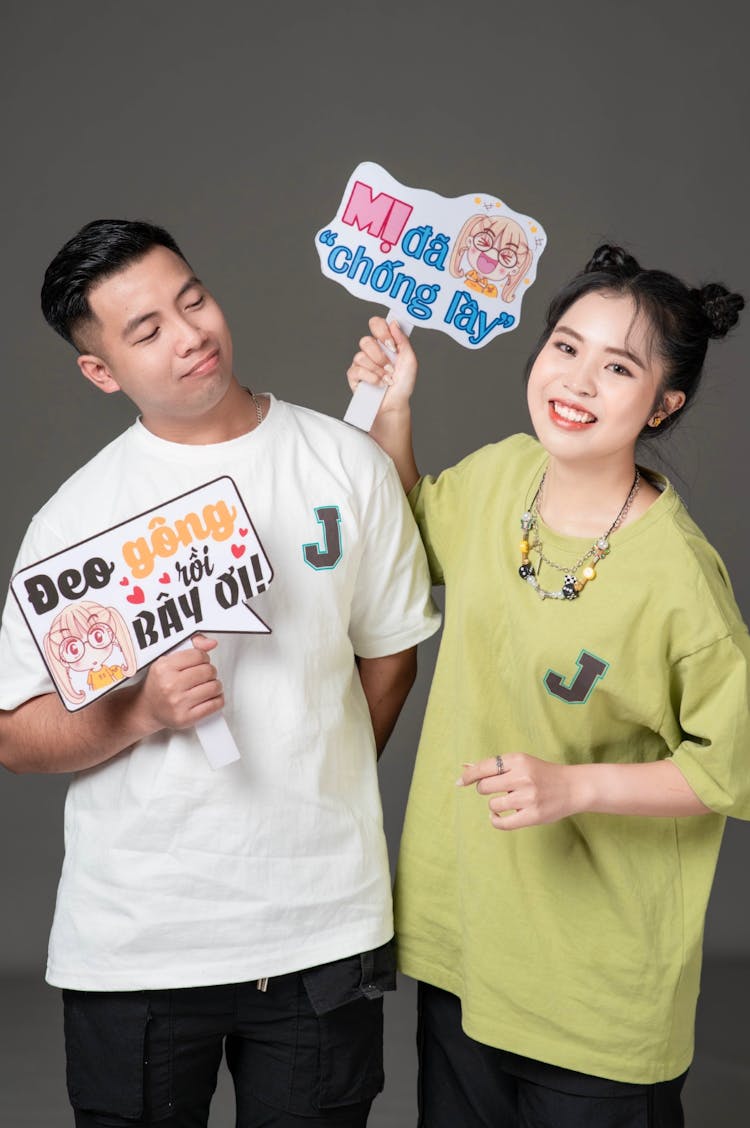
{"type": "Point", "coordinates": [572, 415]}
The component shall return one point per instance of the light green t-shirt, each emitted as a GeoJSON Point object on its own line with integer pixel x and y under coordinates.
{"type": "Point", "coordinates": [576, 943]}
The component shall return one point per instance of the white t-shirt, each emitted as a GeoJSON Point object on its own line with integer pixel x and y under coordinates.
{"type": "Point", "coordinates": [177, 875]}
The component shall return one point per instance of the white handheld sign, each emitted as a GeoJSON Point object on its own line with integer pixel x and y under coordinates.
{"type": "Point", "coordinates": [108, 606]}
{"type": "Point", "coordinates": [459, 265]}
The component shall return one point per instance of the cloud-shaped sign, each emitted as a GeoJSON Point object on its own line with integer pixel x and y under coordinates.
{"type": "Point", "coordinates": [105, 608]}
{"type": "Point", "coordinates": [459, 265]}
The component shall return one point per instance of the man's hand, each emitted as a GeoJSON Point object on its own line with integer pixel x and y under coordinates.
{"type": "Point", "coordinates": [180, 689]}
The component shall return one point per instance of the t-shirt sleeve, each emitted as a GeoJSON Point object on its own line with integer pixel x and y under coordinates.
{"type": "Point", "coordinates": [432, 501]}
{"type": "Point", "coordinates": [447, 507]}
{"type": "Point", "coordinates": [392, 608]}
{"type": "Point", "coordinates": [23, 674]}
{"type": "Point", "coordinates": [713, 690]}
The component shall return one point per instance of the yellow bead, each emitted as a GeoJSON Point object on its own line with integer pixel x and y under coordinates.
{"type": "Point", "coordinates": [578, 585]}
{"type": "Point", "coordinates": [524, 546]}
{"type": "Point", "coordinates": [589, 573]}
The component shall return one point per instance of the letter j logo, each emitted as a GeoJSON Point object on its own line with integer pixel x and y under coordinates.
{"type": "Point", "coordinates": [326, 555]}
{"type": "Point", "coordinates": [590, 670]}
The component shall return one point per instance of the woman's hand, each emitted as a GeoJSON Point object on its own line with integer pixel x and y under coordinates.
{"type": "Point", "coordinates": [533, 790]}
{"type": "Point", "coordinates": [536, 791]}
{"type": "Point", "coordinates": [397, 371]}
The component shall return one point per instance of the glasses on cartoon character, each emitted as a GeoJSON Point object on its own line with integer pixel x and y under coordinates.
{"type": "Point", "coordinates": [491, 255]}
{"type": "Point", "coordinates": [484, 241]}
{"type": "Point", "coordinates": [88, 649]}
{"type": "Point", "coordinates": [99, 637]}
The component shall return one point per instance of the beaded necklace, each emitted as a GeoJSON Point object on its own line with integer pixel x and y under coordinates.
{"type": "Point", "coordinates": [572, 586]}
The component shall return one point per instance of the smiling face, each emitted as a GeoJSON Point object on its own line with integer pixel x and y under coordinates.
{"type": "Point", "coordinates": [597, 381]}
{"type": "Point", "coordinates": [490, 257]}
{"type": "Point", "coordinates": [493, 249]}
{"type": "Point", "coordinates": [159, 336]}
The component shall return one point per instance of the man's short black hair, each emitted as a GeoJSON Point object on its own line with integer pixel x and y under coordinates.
{"type": "Point", "coordinates": [98, 250]}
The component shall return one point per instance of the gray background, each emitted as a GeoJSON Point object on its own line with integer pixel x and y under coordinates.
{"type": "Point", "coordinates": [237, 128]}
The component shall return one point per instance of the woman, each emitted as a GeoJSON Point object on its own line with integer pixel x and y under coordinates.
{"type": "Point", "coordinates": [594, 669]}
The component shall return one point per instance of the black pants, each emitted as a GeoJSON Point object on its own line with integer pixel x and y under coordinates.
{"type": "Point", "coordinates": [465, 1083]}
{"type": "Point", "coordinates": [308, 1051]}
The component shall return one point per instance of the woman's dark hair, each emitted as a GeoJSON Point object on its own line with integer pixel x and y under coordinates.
{"type": "Point", "coordinates": [682, 320]}
{"type": "Point", "coordinates": [100, 249]}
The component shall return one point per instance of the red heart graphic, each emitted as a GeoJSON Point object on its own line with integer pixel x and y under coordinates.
{"type": "Point", "coordinates": [243, 532]}
{"type": "Point", "coordinates": [165, 579]}
{"type": "Point", "coordinates": [238, 550]}
{"type": "Point", "coordinates": [124, 581]}
{"type": "Point", "coordinates": [136, 596]}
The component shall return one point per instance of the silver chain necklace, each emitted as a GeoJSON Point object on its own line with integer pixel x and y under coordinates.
{"type": "Point", "coordinates": [572, 586]}
{"type": "Point", "coordinates": [258, 406]}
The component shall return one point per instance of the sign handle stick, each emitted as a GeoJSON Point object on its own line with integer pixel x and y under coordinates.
{"type": "Point", "coordinates": [367, 398]}
{"type": "Point", "coordinates": [217, 741]}
{"type": "Point", "coordinates": [213, 733]}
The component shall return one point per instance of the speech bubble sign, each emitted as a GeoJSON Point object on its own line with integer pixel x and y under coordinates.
{"type": "Point", "coordinates": [108, 606]}
{"type": "Point", "coordinates": [459, 265]}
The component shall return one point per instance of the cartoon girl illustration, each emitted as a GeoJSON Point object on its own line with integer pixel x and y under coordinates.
{"type": "Point", "coordinates": [488, 252]}
{"type": "Point", "coordinates": [82, 638]}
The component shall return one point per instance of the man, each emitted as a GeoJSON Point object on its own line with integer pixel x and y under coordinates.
{"type": "Point", "coordinates": [246, 908]}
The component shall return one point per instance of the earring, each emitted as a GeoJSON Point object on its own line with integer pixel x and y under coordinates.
{"type": "Point", "coordinates": [656, 420]}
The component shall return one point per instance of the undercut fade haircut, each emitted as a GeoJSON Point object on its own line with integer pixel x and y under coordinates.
{"type": "Point", "coordinates": [99, 250]}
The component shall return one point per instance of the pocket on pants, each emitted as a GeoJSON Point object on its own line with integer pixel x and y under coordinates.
{"type": "Point", "coordinates": [105, 1045]}
{"type": "Point", "coordinates": [351, 1053]}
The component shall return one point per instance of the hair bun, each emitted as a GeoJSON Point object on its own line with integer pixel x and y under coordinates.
{"type": "Point", "coordinates": [611, 259]}
{"type": "Point", "coordinates": [721, 308]}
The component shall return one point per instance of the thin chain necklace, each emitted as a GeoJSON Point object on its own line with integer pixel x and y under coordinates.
{"type": "Point", "coordinates": [258, 406]}
{"type": "Point", "coordinates": [572, 586]}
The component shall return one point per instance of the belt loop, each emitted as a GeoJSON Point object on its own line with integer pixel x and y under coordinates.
{"type": "Point", "coordinates": [367, 963]}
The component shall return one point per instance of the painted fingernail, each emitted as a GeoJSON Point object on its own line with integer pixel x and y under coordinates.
{"type": "Point", "coordinates": [388, 367]}
{"type": "Point", "coordinates": [389, 345]}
